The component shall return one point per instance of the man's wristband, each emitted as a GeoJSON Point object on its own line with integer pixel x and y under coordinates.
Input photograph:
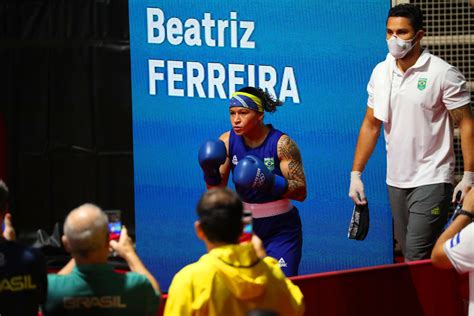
{"type": "Point", "coordinates": [466, 213]}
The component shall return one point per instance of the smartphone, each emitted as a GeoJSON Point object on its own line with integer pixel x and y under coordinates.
{"type": "Point", "coordinates": [247, 231]}
{"type": "Point", "coordinates": [115, 223]}
{"type": "Point", "coordinates": [457, 208]}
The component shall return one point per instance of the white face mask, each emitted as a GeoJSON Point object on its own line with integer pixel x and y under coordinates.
{"type": "Point", "coordinates": [399, 47]}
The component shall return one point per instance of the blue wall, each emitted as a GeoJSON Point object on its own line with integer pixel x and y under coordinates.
{"type": "Point", "coordinates": [320, 53]}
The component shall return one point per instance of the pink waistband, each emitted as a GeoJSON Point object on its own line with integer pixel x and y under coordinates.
{"type": "Point", "coordinates": [268, 209]}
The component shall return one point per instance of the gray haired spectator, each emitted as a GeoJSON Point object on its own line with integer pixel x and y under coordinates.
{"type": "Point", "coordinates": [88, 284]}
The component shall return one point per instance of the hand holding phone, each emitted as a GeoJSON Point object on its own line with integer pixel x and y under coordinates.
{"type": "Point", "coordinates": [8, 231]}
{"type": "Point", "coordinates": [247, 231]}
{"type": "Point", "coordinates": [124, 246]}
{"type": "Point", "coordinates": [115, 223]}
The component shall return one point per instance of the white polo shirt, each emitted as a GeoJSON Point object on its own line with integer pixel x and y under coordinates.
{"type": "Point", "coordinates": [460, 251]}
{"type": "Point", "coordinates": [419, 131]}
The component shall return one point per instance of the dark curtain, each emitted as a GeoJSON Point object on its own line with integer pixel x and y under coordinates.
{"type": "Point", "coordinates": [66, 101]}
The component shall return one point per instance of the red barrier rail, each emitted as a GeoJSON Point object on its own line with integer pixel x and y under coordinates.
{"type": "Point", "coordinates": [415, 288]}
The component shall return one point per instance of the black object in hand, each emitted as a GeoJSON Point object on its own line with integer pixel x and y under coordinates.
{"type": "Point", "coordinates": [359, 225]}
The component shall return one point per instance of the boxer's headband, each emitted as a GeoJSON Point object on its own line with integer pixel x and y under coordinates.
{"type": "Point", "coordinates": [246, 100]}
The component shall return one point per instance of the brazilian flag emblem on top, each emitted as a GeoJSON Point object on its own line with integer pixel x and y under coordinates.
{"type": "Point", "coordinates": [269, 163]}
{"type": "Point", "coordinates": [422, 83]}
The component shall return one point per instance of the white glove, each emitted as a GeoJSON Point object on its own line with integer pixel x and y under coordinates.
{"type": "Point", "coordinates": [464, 185]}
{"type": "Point", "coordinates": [356, 189]}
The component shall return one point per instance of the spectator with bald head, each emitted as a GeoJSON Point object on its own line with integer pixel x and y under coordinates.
{"type": "Point", "coordinates": [88, 284]}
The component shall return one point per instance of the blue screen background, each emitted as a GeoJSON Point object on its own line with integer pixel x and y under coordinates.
{"type": "Point", "coordinates": [332, 47]}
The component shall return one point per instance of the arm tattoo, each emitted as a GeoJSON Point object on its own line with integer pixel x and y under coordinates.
{"type": "Point", "coordinates": [460, 113]}
{"type": "Point", "coordinates": [288, 151]}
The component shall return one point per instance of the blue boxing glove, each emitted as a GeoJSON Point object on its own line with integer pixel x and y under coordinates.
{"type": "Point", "coordinates": [212, 155]}
{"type": "Point", "coordinates": [251, 172]}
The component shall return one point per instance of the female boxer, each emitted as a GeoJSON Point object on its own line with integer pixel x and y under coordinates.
{"type": "Point", "coordinates": [267, 171]}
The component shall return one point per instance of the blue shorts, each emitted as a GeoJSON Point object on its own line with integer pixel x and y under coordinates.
{"type": "Point", "coordinates": [283, 239]}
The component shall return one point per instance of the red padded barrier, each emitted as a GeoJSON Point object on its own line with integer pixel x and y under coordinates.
{"type": "Point", "coordinates": [415, 288]}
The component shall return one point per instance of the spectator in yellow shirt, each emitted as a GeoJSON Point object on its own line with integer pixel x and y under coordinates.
{"type": "Point", "coordinates": [232, 278]}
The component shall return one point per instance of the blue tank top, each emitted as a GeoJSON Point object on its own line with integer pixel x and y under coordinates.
{"type": "Point", "coordinates": [267, 151]}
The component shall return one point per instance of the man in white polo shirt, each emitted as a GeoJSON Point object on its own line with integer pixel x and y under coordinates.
{"type": "Point", "coordinates": [416, 96]}
{"type": "Point", "coordinates": [455, 247]}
